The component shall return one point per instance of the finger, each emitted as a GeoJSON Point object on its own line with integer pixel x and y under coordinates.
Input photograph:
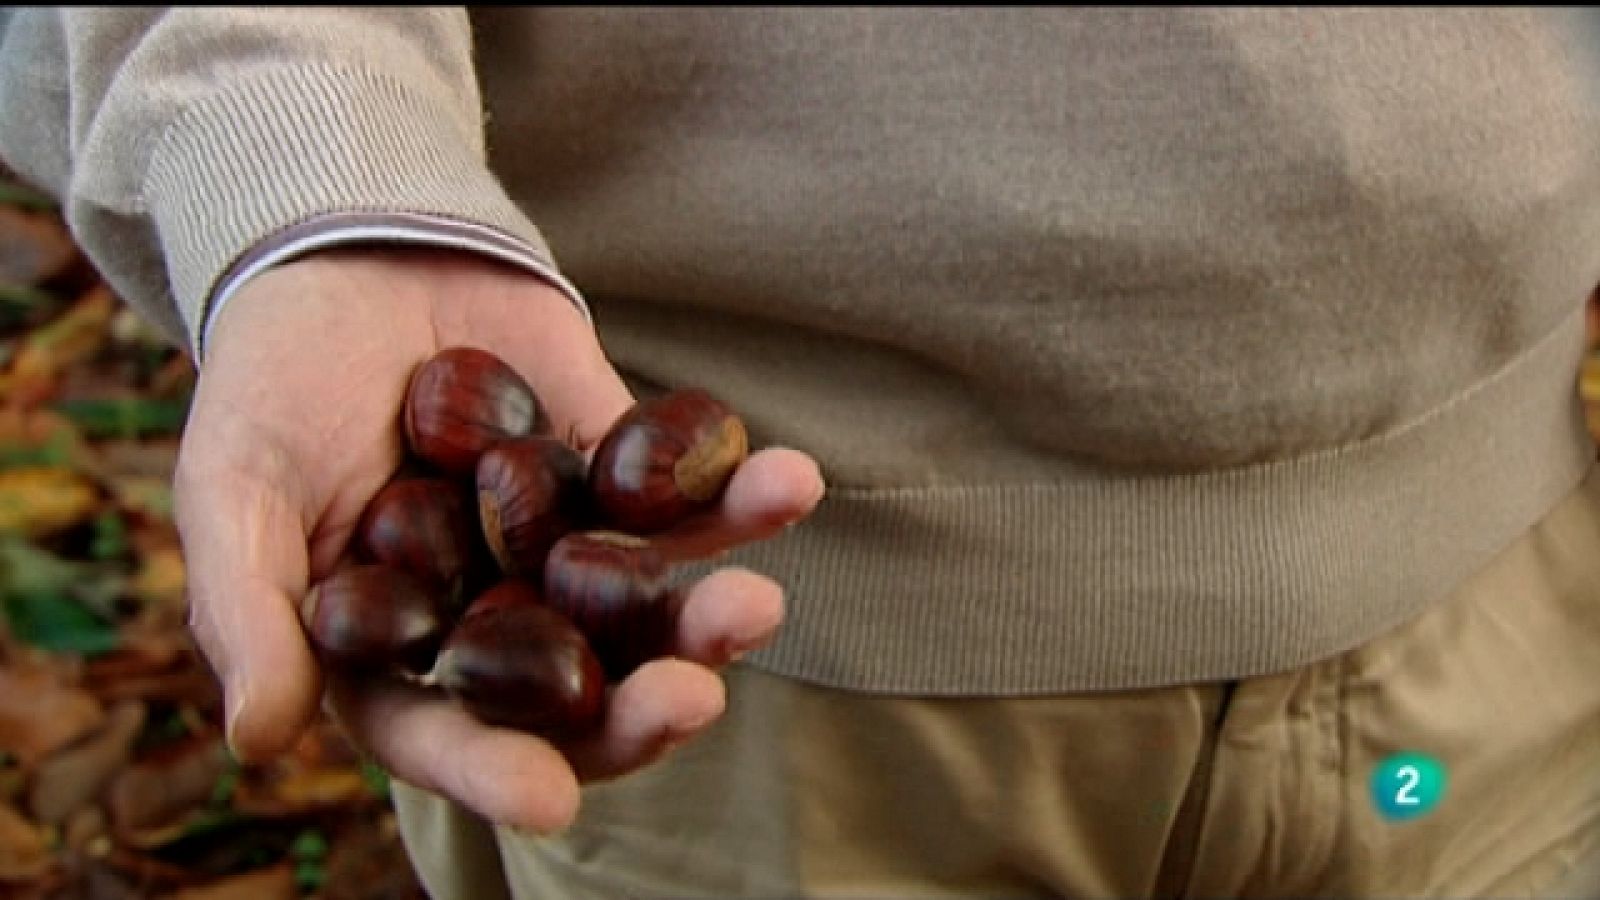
{"type": "Point", "coordinates": [561, 359]}
{"type": "Point", "coordinates": [662, 704]}
{"type": "Point", "coordinates": [425, 740]}
{"type": "Point", "coordinates": [771, 490]}
{"type": "Point", "coordinates": [727, 614]}
{"type": "Point", "coordinates": [244, 549]}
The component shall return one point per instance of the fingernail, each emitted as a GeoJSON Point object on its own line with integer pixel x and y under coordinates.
{"type": "Point", "coordinates": [689, 729]}
{"type": "Point", "coordinates": [673, 743]}
{"type": "Point", "coordinates": [731, 650]}
{"type": "Point", "coordinates": [739, 645]}
{"type": "Point", "coordinates": [674, 738]}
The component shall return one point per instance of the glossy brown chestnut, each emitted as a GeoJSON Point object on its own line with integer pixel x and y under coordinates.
{"type": "Point", "coordinates": [518, 664]}
{"type": "Point", "coordinates": [506, 592]}
{"type": "Point", "coordinates": [374, 617]}
{"type": "Point", "coordinates": [426, 527]}
{"type": "Point", "coordinates": [614, 587]}
{"type": "Point", "coordinates": [460, 402]}
{"type": "Point", "coordinates": [664, 459]}
{"type": "Point", "coordinates": [531, 492]}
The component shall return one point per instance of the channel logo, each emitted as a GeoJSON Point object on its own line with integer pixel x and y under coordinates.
{"type": "Point", "coordinates": [1407, 786]}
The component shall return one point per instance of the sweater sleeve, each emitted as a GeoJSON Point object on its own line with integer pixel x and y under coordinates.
{"type": "Point", "coordinates": [178, 139]}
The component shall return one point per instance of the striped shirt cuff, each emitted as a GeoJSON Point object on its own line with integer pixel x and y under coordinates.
{"type": "Point", "coordinates": [334, 229]}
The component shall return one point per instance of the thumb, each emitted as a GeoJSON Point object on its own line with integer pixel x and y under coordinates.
{"type": "Point", "coordinates": [245, 551]}
{"type": "Point", "coordinates": [539, 332]}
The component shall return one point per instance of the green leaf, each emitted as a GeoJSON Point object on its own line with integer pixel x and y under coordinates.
{"type": "Point", "coordinates": [110, 539]}
{"type": "Point", "coordinates": [29, 572]}
{"type": "Point", "coordinates": [19, 304]}
{"type": "Point", "coordinates": [310, 875]}
{"type": "Point", "coordinates": [26, 297]}
{"type": "Point", "coordinates": [227, 783]}
{"type": "Point", "coordinates": [57, 623]}
{"type": "Point", "coordinates": [377, 779]}
{"type": "Point", "coordinates": [163, 731]}
{"type": "Point", "coordinates": [54, 453]}
{"type": "Point", "coordinates": [309, 845]}
{"type": "Point", "coordinates": [55, 604]}
{"type": "Point", "coordinates": [125, 417]}
{"type": "Point", "coordinates": [14, 194]}
{"type": "Point", "coordinates": [208, 822]}
{"type": "Point", "coordinates": [309, 851]}
{"type": "Point", "coordinates": [25, 569]}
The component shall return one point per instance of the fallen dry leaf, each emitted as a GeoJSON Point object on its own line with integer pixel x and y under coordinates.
{"type": "Point", "coordinates": [24, 854]}
{"type": "Point", "coordinates": [13, 781]}
{"type": "Point", "coordinates": [370, 864]}
{"type": "Point", "coordinates": [42, 437]}
{"type": "Point", "coordinates": [160, 791]}
{"type": "Point", "coordinates": [143, 652]}
{"type": "Point", "coordinates": [161, 577]}
{"type": "Point", "coordinates": [73, 777]}
{"type": "Point", "coordinates": [1589, 377]}
{"type": "Point", "coordinates": [85, 826]}
{"type": "Point", "coordinates": [156, 458]}
{"type": "Point", "coordinates": [144, 495]}
{"type": "Point", "coordinates": [175, 378]}
{"type": "Point", "coordinates": [40, 713]}
{"type": "Point", "coordinates": [302, 791]}
{"type": "Point", "coordinates": [186, 688]}
{"type": "Point", "coordinates": [156, 662]}
{"type": "Point", "coordinates": [99, 881]}
{"type": "Point", "coordinates": [275, 883]}
{"type": "Point", "coordinates": [37, 500]}
{"type": "Point", "coordinates": [68, 340]}
{"type": "Point", "coordinates": [145, 870]}
{"type": "Point", "coordinates": [93, 403]}
{"type": "Point", "coordinates": [34, 247]}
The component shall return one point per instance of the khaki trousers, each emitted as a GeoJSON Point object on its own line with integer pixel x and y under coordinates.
{"type": "Point", "coordinates": [1255, 788]}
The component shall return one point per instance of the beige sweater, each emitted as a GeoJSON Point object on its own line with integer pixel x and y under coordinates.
{"type": "Point", "coordinates": [1138, 346]}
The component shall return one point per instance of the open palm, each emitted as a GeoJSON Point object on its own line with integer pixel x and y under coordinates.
{"type": "Point", "coordinates": [294, 429]}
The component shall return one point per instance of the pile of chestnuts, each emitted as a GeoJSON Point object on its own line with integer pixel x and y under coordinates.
{"type": "Point", "coordinates": [501, 566]}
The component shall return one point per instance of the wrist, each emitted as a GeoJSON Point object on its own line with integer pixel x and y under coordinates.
{"type": "Point", "coordinates": [398, 232]}
{"type": "Point", "coordinates": [406, 300]}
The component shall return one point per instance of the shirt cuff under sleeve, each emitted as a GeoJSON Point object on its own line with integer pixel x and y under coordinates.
{"type": "Point", "coordinates": [285, 146]}
{"type": "Point", "coordinates": [334, 229]}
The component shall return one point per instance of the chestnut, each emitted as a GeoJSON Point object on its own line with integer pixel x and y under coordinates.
{"type": "Point", "coordinates": [531, 491]}
{"type": "Point", "coordinates": [461, 401]}
{"type": "Point", "coordinates": [614, 587]}
{"type": "Point", "coordinates": [514, 663]}
{"type": "Point", "coordinates": [664, 459]}
{"type": "Point", "coordinates": [374, 617]}
{"type": "Point", "coordinates": [426, 527]}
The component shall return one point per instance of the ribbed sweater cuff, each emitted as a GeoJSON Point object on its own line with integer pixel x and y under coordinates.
{"type": "Point", "coordinates": [279, 150]}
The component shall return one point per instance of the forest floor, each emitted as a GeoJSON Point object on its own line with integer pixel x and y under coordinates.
{"type": "Point", "coordinates": [115, 781]}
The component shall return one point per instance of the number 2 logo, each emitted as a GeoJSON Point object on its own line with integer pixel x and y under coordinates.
{"type": "Point", "coordinates": [1407, 785]}
{"type": "Point", "coordinates": [1411, 777]}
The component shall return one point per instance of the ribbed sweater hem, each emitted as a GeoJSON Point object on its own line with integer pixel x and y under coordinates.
{"type": "Point", "coordinates": [1128, 582]}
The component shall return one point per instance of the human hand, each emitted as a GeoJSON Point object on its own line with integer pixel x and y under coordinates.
{"type": "Point", "coordinates": [294, 428]}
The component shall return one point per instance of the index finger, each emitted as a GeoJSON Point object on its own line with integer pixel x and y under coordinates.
{"type": "Point", "coordinates": [244, 550]}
